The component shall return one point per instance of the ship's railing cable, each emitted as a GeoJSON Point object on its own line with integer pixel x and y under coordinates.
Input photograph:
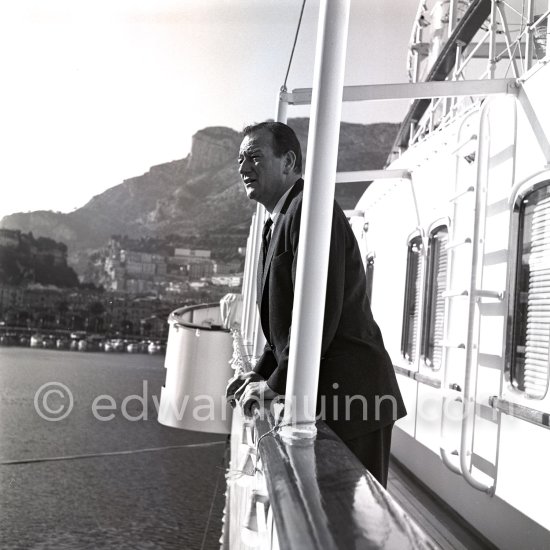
{"type": "Point", "coordinates": [111, 453]}
{"type": "Point", "coordinates": [283, 88]}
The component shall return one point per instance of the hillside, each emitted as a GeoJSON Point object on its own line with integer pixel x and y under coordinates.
{"type": "Point", "coordinates": [25, 260]}
{"type": "Point", "coordinates": [198, 198]}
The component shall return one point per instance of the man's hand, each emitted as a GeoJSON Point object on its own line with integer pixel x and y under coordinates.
{"type": "Point", "coordinates": [236, 385]}
{"type": "Point", "coordinates": [254, 392]}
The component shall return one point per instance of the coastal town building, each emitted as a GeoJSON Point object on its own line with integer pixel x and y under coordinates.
{"type": "Point", "coordinates": [130, 271]}
{"type": "Point", "coordinates": [49, 307]}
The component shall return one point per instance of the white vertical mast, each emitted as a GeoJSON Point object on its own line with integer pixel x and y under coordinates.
{"type": "Point", "coordinates": [316, 224]}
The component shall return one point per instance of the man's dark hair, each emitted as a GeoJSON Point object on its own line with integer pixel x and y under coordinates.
{"type": "Point", "coordinates": [284, 140]}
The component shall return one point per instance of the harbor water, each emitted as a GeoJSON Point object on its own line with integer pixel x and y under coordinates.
{"type": "Point", "coordinates": [84, 464]}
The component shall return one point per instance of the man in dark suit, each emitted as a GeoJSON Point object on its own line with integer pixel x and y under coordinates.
{"type": "Point", "coordinates": [358, 394]}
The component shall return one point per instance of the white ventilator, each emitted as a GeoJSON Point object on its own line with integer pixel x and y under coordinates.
{"type": "Point", "coordinates": [197, 370]}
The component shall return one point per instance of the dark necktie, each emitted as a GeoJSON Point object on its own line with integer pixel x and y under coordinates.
{"type": "Point", "coordinates": [266, 237]}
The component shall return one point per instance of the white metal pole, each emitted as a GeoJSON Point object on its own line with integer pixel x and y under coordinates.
{"type": "Point", "coordinates": [316, 224]}
{"type": "Point", "coordinates": [257, 338]}
{"type": "Point", "coordinates": [281, 108]}
{"type": "Point", "coordinates": [251, 302]}
{"type": "Point", "coordinates": [246, 279]}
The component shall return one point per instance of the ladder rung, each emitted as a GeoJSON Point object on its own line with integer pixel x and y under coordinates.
{"type": "Point", "coordinates": [463, 193]}
{"type": "Point", "coordinates": [455, 293]}
{"type": "Point", "coordinates": [487, 413]}
{"type": "Point", "coordinates": [490, 361]}
{"type": "Point", "coordinates": [456, 244]}
{"type": "Point", "coordinates": [484, 465]}
{"type": "Point", "coordinates": [498, 294]}
{"type": "Point", "coordinates": [463, 144]}
{"type": "Point", "coordinates": [457, 345]}
{"type": "Point", "coordinates": [496, 257]}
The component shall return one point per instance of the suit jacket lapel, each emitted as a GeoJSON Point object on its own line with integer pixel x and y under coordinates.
{"type": "Point", "coordinates": [259, 277]}
{"type": "Point", "coordinates": [298, 187]}
{"type": "Point", "coordinates": [271, 249]}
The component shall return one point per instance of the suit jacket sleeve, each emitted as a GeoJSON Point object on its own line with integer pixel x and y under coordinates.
{"type": "Point", "coordinates": [266, 364]}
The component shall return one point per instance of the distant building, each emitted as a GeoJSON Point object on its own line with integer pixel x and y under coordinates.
{"type": "Point", "coordinates": [227, 280]}
{"type": "Point", "coordinates": [226, 268]}
{"type": "Point", "coordinates": [10, 297]}
{"type": "Point", "coordinates": [132, 271]}
{"type": "Point", "coordinates": [199, 270]}
{"type": "Point", "coordinates": [193, 263]}
{"type": "Point", "coordinates": [191, 253]}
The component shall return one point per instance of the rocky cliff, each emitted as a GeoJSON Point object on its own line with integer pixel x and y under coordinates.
{"type": "Point", "coordinates": [198, 197]}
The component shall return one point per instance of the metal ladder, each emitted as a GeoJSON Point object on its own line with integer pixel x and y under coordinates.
{"type": "Point", "coordinates": [473, 305]}
{"type": "Point", "coordinates": [460, 260]}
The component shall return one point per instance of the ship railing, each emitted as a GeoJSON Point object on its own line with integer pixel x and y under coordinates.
{"type": "Point", "coordinates": [510, 41]}
{"type": "Point", "coordinates": [308, 494]}
{"type": "Point", "coordinates": [203, 316]}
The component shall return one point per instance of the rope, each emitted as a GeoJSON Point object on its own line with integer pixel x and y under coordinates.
{"type": "Point", "coordinates": [294, 45]}
{"type": "Point", "coordinates": [112, 453]}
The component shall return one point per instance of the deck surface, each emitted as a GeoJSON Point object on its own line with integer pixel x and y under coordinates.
{"type": "Point", "coordinates": [437, 519]}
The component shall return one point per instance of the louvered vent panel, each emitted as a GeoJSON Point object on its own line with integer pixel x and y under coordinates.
{"type": "Point", "coordinates": [439, 300]}
{"type": "Point", "coordinates": [538, 304]}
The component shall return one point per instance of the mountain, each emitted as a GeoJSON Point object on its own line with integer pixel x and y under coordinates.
{"type": "Point", "coordinates": [200, 197]}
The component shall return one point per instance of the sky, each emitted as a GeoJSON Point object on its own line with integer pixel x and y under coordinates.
{"type": "Point", "coordinates": [97, 91]}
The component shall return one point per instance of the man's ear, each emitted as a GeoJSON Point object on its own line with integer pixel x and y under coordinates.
{"type": "Point", "coordinates": [290, 162]}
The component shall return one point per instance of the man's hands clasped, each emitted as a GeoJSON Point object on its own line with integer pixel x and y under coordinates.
{"type": "Point", "coordinates": [248, 389]}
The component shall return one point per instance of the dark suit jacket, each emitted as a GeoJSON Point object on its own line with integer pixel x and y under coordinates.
{"type": "Point", "coordinates": [354, 362]}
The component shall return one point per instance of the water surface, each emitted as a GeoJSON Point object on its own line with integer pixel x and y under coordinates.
{"type": "Point", "coordinates": [158, 499]}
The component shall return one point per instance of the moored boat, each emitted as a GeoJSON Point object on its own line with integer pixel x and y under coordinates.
{"type": "Point", "coordinates": [82, 345]}
{"type": "Point", "coordinates": [36, 341]}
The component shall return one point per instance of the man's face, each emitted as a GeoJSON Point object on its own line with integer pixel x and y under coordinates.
{"type": "Point", "coordinates": [263, 174]}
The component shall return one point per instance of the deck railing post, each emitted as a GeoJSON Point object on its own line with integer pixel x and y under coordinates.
{"type": "Point", "coordinates": [251, 302]}
{"type": "Point", "coordinates": [316, 222]}
{"type": "Point", "coordinates": [257, 338]}
{"type": "Point", "coordinates": [281, 108]}
{"type": "Point", "coordinates": [246, 280]}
